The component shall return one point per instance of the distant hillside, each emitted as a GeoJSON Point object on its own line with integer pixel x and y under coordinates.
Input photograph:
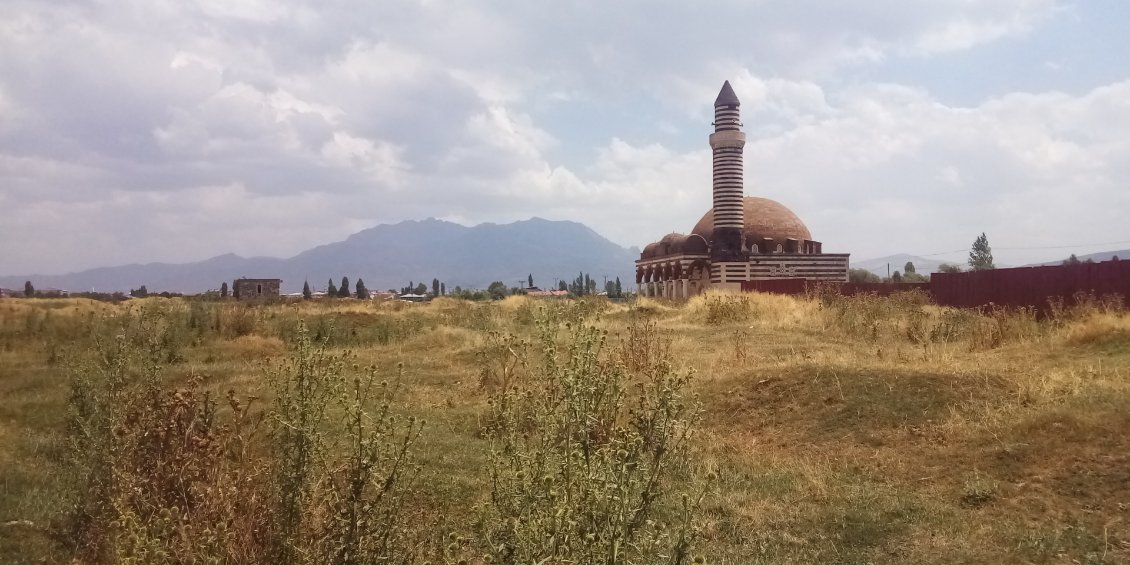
{"type": "Point", "coordinates": [388, 256]}
{"type": "Point", "coordinates": [1096, 257]}
{"type": "Point", "coordinates": [878, 265]}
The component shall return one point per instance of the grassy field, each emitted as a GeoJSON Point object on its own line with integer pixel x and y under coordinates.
{"type": "Point", "coordinates": [833, 430]}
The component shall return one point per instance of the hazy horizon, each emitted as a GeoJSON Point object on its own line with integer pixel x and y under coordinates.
{"type": "Point", "coordinates": [174, 132]}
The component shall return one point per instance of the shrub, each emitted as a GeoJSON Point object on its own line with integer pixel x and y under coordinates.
{"type": "Point", "coordinates": [337, 491]}
{"type": "Point", "coordinates": [166, 475]}
{"type": "Point", "coordinates": [583, 458]}
{"type": "Point", "coordinates": [235, 320]}
{"type": "Point", "coordinates": [727, 308]}
{"type": "Point", "coordinates": [155, 474]}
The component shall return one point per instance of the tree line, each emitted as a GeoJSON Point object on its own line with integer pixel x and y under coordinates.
{"type": "Point", "coordinates": [980, 259]}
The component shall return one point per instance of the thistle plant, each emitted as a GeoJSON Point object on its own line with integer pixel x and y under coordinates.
{"type": "Point", "coordinates": [584, 456]}
{"type": "Point", "coordinates": [340, 469]}
{"type": "Point", "coordinates": [303, 389]}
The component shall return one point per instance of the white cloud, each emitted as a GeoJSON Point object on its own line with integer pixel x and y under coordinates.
{"type": "Point", "coordinates": [127, 131]}
{"type": "Point", "coordinates": [379, 160]}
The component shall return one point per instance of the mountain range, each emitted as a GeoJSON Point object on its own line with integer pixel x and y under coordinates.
{"type": "Point", "coordinates": [388, 256]}
{"type": "Point", "coordinates": [898, 262]}
{"type": "Point", "coordinates": [924, 266]}
{"type": "Point", "coordinates": [1096, 257]}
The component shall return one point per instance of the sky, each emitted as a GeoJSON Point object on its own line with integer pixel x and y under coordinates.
{"type": "Point", "coordinates": [134, 131]}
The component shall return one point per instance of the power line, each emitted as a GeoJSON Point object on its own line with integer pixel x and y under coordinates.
{"type": "Point", "coordinates": [1027, 248]}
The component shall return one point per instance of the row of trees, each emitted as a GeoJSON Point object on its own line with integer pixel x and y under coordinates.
{"type": "Point", "coordinates": [585, 285]}
{"type": "Point", "coordinates": [340, 292]}
{"type": "Point", "coordinates": [439, 288]}
{"type": "Point", "coordinates": [1073, 260]}
{"type": "Point", "coordinates": [980, 259]}
{"type": "Point", "coordinates": [31, 292]}
{"type": "Point", "coordinates": [909, 274]}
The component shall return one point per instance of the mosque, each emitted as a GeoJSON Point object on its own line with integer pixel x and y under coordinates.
{"type": "Point", "coordinates": [742, 238]}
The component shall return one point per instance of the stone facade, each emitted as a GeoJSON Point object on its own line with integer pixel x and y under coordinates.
{"type": "Point", "coordinates": [256, 289]}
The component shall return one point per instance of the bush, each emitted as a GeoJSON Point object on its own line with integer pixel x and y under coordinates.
{"type": "Point", "coordinates": [584, 458]}
{"type": "Point", "coordinates": [337, 484]}
{"type": "Point", "coordinates": [156, 476]}
{"type": "Point", "coordinates": [164, 475]}
{"type": "Point", "coordinates": [727, 308]}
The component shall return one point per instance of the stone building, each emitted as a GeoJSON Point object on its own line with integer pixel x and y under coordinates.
{"type": "Point", "coordinates": [256, 289]}
{"type": "Point", "coordinates": [741, 238]}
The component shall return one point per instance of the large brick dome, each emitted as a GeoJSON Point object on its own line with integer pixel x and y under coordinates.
{"type": "Point", "coordinates": [764, 218]}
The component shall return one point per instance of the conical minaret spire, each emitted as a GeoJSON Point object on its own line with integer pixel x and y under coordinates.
{"type": "Point", "coordinates": [728, 144]}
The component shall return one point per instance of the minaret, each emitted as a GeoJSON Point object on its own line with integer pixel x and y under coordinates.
{"type": "Point", "coordinates": [728, 142]}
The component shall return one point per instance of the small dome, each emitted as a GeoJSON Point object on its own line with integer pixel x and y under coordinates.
{"type": "Point", "coordinates": [671, 244]}
{"type": "Point", "coordinates": [695, 244]}
{"type": "Point", "coordinates": [649, 250]}
{"type": "Point", "coordinates": [764, 218]}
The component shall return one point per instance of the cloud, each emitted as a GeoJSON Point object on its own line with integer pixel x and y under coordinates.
{"type": "Point", "coordinates": [164, 130]}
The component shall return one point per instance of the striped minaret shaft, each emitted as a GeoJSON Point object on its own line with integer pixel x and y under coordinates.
{"type": "Point", "coordinates": [728, 142]}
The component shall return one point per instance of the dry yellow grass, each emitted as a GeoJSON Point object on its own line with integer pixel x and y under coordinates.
{"type": "Point", "coordinates": [853, 431]}
{"type": "Point", "coordinates": [251, 347]}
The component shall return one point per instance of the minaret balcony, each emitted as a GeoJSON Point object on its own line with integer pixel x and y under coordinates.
{"type": "Point", "coordinates": [727, 139]}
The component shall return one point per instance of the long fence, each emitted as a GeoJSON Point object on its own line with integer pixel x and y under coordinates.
{"type": "Point", "coordinates": [805, 286]}
{"type": "Point", "coordinates": [1021, 286]}
{"type": "Point", "coordinates": [1030, 286]}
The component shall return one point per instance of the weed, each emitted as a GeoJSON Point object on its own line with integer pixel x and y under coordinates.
{"type": "Point", "coordinates": [583, 460]}
{"type": "Point", "coordinates": [1003, 441]}
{"type": "Point", "coordinates": [337, 492]}
{"type": "Point", "coordinates": [978, 492]}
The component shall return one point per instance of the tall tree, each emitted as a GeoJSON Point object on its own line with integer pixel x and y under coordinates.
{"type": "Point", "coordinates": [909, 268]}
{"type": "Point", "coordinates": [306, 293]}
{"type": "Point", "coordinates": [563, 285]}
{"type": "Point", "coordinates": [530, 280]}
{"type": "Point", "coordinates": [331, 290]}
{"type": "Point", "coordinates": [981, 255]}
{"type": "Point", "coordinates": [343, 290]}
{"type": "Point", "coordinates": [442, 289]}
{"type": "Point", "coordinates": [29, 290]}
{"type": "Point", "coordinates": [421, 289]}
{"type": "Point", "coordinates": [435, 287]}
{"type": "Point", "coordinates": [224, 289]}
{"type": "Point", "coordinates": [619, 289]}
{"type": "Point", "coordinates": [362, 292]}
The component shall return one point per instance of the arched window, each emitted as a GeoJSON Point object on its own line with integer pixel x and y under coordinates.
{"type": "Point", "coordinates": [753, 249]}
{"type": "Point", "coordinates": [780, 248]}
